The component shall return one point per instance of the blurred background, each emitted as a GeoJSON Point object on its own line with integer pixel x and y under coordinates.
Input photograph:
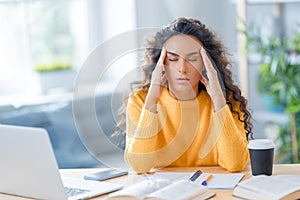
{"type": "Point", "coordinates": [45, 43]}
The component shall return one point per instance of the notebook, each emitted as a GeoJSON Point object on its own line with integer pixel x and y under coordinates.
{"type": "Point", "coordinates": [28, 168]}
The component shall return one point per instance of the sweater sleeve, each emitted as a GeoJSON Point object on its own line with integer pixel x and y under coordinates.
{"type": "Point", "coordinates": [142, 129]}
{"type": "Point", "coordinates": [233, 153]}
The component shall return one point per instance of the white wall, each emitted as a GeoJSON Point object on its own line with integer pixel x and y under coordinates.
{"type": "Point", "coordinates": [218, 15]}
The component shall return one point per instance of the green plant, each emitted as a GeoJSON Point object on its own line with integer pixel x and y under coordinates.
{"type": "Point", "coordinates": [285, 139]}
{"type": "Point", "coordinates": [53, 67]}
{"type": "Point", "coordinates": [279, 77]}
{"type": "Point", "coordinates": [296, 42]}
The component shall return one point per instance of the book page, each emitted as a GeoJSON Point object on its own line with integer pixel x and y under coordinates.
{"type": "Point", "coordinates": [140, 189]}
{"type": "Point", "coordinates": [173, 176]}
{"type": "Point", "coordinates": [295, 179]}
{"type": "Point", "coordinates": [182, 189]}
{"type": "Point", "coordinates": [269, 185]}
{"type": "Point", "coordinates": [221, 181]}
{"type": "Point", "coordinates": [217, 182]}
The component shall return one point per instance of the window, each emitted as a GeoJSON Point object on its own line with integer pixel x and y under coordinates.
{"type": "Point", "coordinates": [36, 34]}
{"type": "Point", "coordinates": [43, 33]}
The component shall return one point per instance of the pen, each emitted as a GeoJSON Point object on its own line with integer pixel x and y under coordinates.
{"type": "Point", "coordinates": [195, 175]}
{"type": "Point", "coordinates": [206, 180]}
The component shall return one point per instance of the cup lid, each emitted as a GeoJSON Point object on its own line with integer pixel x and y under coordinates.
{"type": "Point", "coordinates": [261, 144]}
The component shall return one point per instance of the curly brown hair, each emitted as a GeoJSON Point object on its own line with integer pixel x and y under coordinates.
{"type": "Point", "coordinates": [217, 52]}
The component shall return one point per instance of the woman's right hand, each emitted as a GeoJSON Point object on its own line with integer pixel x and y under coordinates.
{"type": "Point", "coordinates": [158, 75]}
{"type": "Point", "coordinates": [158, 79]}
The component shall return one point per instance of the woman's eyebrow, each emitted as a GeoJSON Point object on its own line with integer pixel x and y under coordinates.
{"type": "Point", "coordinates": [172, 53]}
{"type": "Point", "coordinates": [189, 54]}
{"type": "Point", "coordinates": [193, 53]}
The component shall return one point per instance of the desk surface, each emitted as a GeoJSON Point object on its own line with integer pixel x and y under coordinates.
{"type": "Point", "coordinates": [129, 179]}
{"type": "Point", "coordinates": [220, 194]}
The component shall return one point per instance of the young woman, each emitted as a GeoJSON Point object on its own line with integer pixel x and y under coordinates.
{"type": "Point", "coordinates": [187, 110]}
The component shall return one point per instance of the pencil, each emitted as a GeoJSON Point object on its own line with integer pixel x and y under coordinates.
{"type": "Point", "coordinates": [206, 180]}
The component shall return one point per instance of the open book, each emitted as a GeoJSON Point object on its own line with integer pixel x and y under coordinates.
{"type": "Point", "coordinates": [217, 182]}
{"type": "Point", "coordinates": [163, 189]}
{"type": "Point", "coordinates": [269, 187]}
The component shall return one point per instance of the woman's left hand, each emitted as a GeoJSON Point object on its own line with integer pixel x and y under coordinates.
{"type": "Point", "coordinates": [210, 79]}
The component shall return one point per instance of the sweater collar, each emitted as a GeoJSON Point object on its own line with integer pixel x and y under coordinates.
{"type": "Point", "coordinates": [183, 103]}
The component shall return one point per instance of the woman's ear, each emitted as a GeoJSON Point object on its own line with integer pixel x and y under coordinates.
{"type": "Point", "coordinates": [203, 80]}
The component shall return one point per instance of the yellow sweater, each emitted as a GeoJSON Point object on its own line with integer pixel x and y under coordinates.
{"type": "Point", "coordinates": [183, 133]}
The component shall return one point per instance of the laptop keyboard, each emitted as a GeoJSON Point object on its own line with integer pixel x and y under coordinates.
{"type": "Point", "coordinates": [74, 191]}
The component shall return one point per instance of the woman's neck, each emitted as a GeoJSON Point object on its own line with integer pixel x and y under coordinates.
{"type": "Point", "coordinates": [184, 95]}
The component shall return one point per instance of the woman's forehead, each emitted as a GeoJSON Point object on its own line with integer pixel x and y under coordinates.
{"type": "Point", "coordinates": [183, 45]}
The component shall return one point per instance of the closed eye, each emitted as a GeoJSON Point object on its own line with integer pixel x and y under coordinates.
{"type": "Point", "coordinates": [193, 58]}
{"type": "Point", "coordinates": [173, 58]}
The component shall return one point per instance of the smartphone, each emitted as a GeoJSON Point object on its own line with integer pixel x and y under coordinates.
{"type": "Point", "coordinates": [104, 175]}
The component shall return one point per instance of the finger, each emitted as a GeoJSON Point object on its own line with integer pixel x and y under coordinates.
{"type": "Point", "coordinates": [212, 70]}
{"type": "Point", "coordinates": [204, 74]}
{"type": "Point", "coordinates": [160, 67]}
{"type": "Point", "coordinates": [164, 79]}
{"type": "Point", "coordinates": [158, 74]}
{"type": "Point", "coordinates": [162, 57]}
{"type": "Point", "coordinates": [209, 63]}
{"type": "Point", "coordinates": [206, 60]}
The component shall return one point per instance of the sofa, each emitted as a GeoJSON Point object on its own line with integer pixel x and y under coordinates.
{"type": "Point", "coordinates": [68, 140]}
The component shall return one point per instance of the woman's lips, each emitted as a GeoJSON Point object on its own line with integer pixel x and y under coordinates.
{"type": "Point", "coordinates": [183, 79]}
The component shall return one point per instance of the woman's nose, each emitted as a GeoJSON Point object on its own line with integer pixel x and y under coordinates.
{"type": "Point", "coordinates": [182, 65]}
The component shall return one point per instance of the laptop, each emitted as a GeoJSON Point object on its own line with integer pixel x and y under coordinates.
{"type": "Point", "coordinates": [28, 168]}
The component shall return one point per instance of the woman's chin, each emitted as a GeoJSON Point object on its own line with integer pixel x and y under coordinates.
{"type": "Point", "coordinates": [183, 87]}
{"type": "Point", "coordinates": [182, 92]}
